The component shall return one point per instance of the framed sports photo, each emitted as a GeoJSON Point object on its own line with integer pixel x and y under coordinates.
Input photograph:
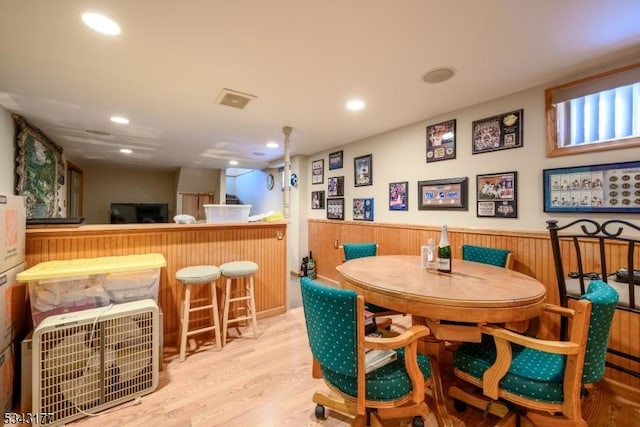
{"type": "Point", "coordinates": [399, 196]}
{"type": "Point", "coordinates": [441, 141]}
{"type": "Point", "coordinates": [335, 160]}
{"type": "Point", "coordinates": [450, 193]}
{"type": "Point", "coordinates": [317, 200]}
{"type": "Point", "coordinates": [499, 132]}
{"type": "Point", "coordinates": [362, 170]}
{"type": "Point", "coordinates": [497, 195]}
{"type": "Point", "coordinates": [317, 171]}
{"type": "Point", "coordinates": [335, 186]}
{"type": "Point", "coordinates": [363, 209]}
{"type": "Point", "coordinates": [335, 208]}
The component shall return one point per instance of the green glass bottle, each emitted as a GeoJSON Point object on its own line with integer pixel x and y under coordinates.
{"type": "Point", "coordinates": [444, 252]}
{"type": "Point", "coordinates": [311, 267]}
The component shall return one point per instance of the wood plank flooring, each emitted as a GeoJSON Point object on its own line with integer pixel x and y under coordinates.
{"type": "Point", "coordinates": [251, 382]}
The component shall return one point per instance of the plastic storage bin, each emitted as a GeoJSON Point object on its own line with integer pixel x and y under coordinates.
{"type": "Point", "coordinates": [57, 287]}
{"type": "Point", "coordinates": [226, 213]}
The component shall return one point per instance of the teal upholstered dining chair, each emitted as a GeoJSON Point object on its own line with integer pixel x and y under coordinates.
{"type": "Point", "coordinates": [335, 328]}
{"type": "Point", "coordinates": [361, 250]}
{"type": "Point", "coordinates": [544, 379]}
{"type": "Point", "coordinates": [487, 255]}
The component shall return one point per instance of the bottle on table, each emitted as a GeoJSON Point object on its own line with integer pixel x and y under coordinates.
{"type": "Point", "coordinates": [428, 255]}
{"type": "Point", "coordinates": [444, 252]}
{"type": "Point", "coordinates": [311, 267]}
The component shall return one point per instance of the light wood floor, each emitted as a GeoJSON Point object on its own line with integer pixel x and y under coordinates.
{"type": "Point", "coordinates": [263, 382]}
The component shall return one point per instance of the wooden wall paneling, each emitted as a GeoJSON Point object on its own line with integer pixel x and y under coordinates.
{"type": "Point", "coordinates": [181, 247]}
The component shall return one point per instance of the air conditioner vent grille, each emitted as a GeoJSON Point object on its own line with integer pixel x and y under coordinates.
{"type": "Point", "coordinates": [234, 98]}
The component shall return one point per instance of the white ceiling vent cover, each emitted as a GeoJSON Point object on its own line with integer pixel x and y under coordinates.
{"type": "Point", "coordinates": [233, 98]}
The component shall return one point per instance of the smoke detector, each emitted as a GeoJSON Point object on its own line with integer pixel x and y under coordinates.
{"type": "Point", "coordinates": [234, 98]}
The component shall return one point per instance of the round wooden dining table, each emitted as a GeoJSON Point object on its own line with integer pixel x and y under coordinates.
{"type": "Point", "coordinates": [472, 292]}
{"type": "Point", "coordinates": [453, 305]}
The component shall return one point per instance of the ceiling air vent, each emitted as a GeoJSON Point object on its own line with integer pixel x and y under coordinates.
{"type": "Point", "coordinates": [233, 98]}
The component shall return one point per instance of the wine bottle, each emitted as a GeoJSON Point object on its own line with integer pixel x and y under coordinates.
{"type": "Point", "coordinates": [311, 267]}
{"type": "Point", "coordinates": [444, 252]}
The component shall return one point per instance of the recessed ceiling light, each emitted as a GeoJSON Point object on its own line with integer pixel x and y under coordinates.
{"type": "Point", "coordinates": [101, 24]}
{"type": "Point", "coordinates": [272, 144]}
{"type": "Point", "coordinates": [126, 151]}
{"type": "Point", "coordinates": [439, 75]}
{"type": "Point", "coordinates": [120, 120]}
{"type": "Point", "coordinates": [355, 105]}
{"type": "Point", "coordinates": [233, 162]}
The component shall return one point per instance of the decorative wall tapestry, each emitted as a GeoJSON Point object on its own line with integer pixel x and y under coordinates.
{"type": "Point", "coordinates": [39, 171]}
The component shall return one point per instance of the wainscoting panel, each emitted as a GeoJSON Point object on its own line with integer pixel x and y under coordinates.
{"type": "Point", "coordinates": [182, 246]}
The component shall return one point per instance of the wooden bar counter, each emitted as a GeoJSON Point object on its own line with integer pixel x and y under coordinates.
{"type": "Point", "coordinates": [182, 245]}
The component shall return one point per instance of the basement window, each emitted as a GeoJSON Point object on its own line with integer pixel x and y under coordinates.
{"type": "Point", "coordinates": [600, 112]}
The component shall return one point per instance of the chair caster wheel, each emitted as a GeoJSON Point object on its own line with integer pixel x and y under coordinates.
{"type": "Point", "coordinates": [459, 405]}
{"type": "Point", "coordinates": [319, 411]}
{"type": "Point", "coordinates": [417, 422]}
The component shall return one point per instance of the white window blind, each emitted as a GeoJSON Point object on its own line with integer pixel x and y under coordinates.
{"type": "Point", "coordinates": [598, 117]}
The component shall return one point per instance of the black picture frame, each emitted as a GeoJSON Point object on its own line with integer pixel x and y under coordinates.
{"type": "Point", "coordinates": [363, 209]}
{"type": "Point", "coordinates": [317, 200]}
{"type": "Point", "coordinates": [317, 171]}
{"type": "Point", "coordinates": [497, 195]}
{"type": "Point", "coordinates": [399, 196]}
{"type": "Point", "coordinates": [441, 141]}
{"type": "Point", "coordinates": [599, 188]}
{"type": "Point", "coordinates": [335, 160]}
{"type": "Point", "coordinates": [335, 208]}
{"type": "Point", "coordinates": [443, 194]}
{"type": "Point", "coordinates": [501, 132]}
{"type": "Point", "coordinates": [363, 170]}
{"type": "Point", "coordinates": [335, 186]}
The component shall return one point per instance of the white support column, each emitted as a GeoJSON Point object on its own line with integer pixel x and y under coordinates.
{"type": "Point", "coordinates": [287, 172]}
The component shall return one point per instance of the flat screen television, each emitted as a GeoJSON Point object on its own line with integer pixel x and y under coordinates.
{"type": "Point", "coordinates": [136, 213]}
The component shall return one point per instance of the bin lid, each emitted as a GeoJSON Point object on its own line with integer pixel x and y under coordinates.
{"type": "Point", "coordinates": [87, 266]}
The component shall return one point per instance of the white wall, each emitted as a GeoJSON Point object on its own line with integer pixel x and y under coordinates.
{"type": "Point", "coordinates": [251, 188]}
{"type": "Point", "coordinates": [400, 155]}
{"type": "Point", "coordinates": [7, 152]}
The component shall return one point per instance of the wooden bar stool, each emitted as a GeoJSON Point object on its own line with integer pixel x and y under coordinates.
{"type": "Point", "coordinates": [192, 276]}
{"type": "Point", "coordinates": [239, 271]}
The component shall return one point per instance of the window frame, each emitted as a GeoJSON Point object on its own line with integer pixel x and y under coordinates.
{"type": "Point", "coordinates": [551, 124]}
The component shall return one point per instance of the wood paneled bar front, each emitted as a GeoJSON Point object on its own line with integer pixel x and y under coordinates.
{"type": "Point", "coordinates": [531, 250]}
{"type": "Point", "coordinates": [182, 245]}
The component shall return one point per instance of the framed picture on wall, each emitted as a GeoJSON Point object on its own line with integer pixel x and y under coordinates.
{"type": "Point", "coordinates": [317, 200]}
{"type": "Point", "coordinates": [335, 160]}
{"type": "Point", "coordinates": [497, 195]}
{"type": "Point", "coordinates": [448, 193]}
{"type": "Point", "coordinates": [608, 188]}
{"type": "Point", "coordinates": [335, 186]}
{"type": "Point", "coordinates": [362, 170]}
{"type": "Point", "coordinates": [499, 132]}
{"type": "Point", "coordinates": [363, 209]}
{"type": "Point", "coordinates": [399, 196]}
{"type": "Point", "coordinates": [317, 171]}
{"type": "Point", "coordinates": [441, 141]}
{"type": "Point", "coordinates": [335, 208]}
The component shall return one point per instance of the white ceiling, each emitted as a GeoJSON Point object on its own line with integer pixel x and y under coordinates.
{"type": "Point", "coordinates": [302, 59]}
